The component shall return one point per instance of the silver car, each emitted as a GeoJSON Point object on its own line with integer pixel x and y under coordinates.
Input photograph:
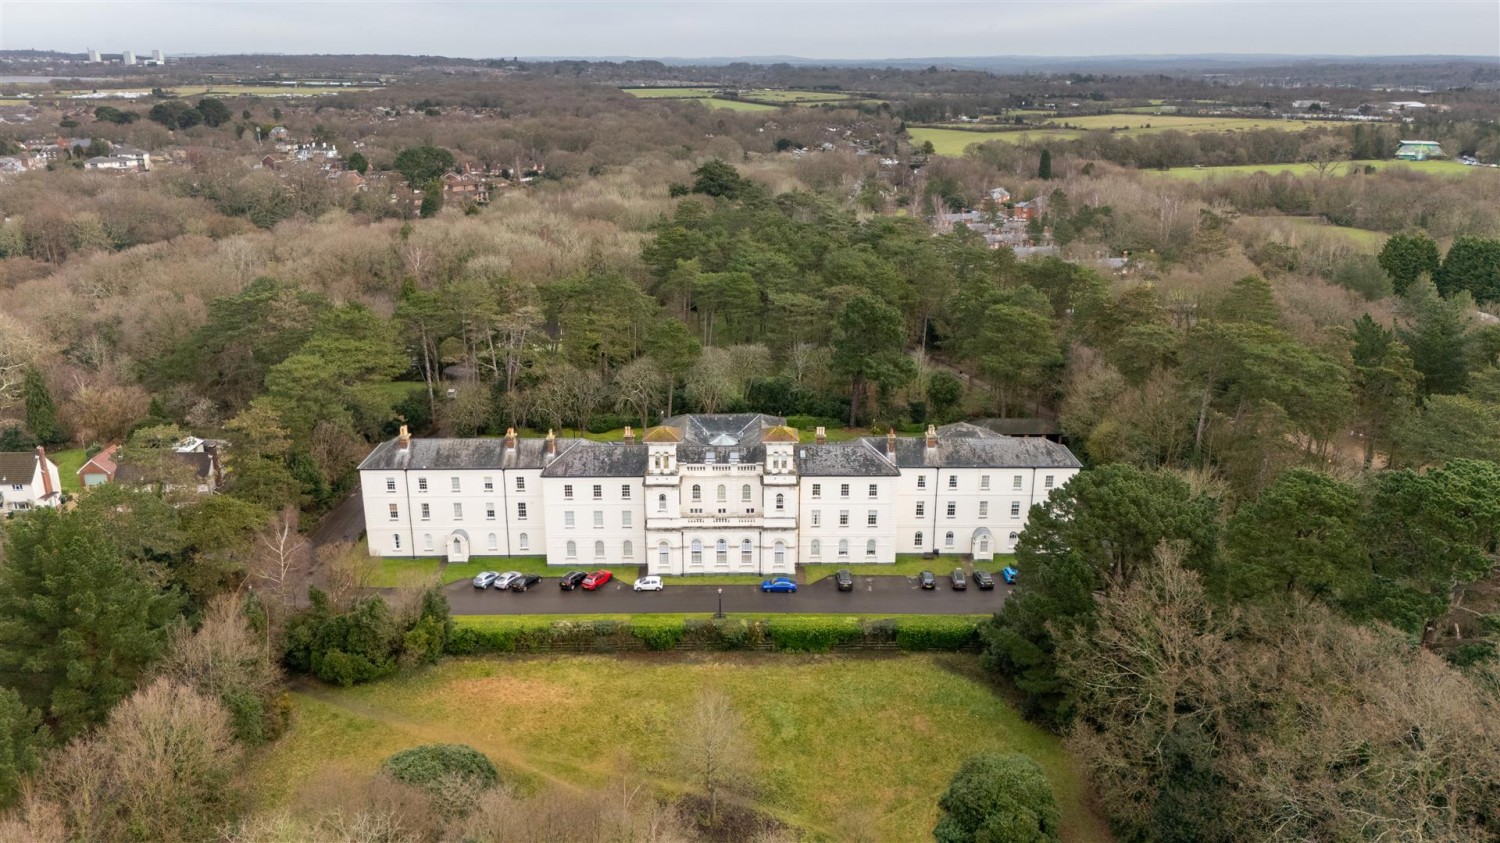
{"type": "Point", "coordinates": [504, 580]}
{"type": "Point", "coordinates": [485, 579]}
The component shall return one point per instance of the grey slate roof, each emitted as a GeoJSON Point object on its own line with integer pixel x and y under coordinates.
{"type": "Point", "coordinates": [696, 453]}
{"type": "Point", "coordinates": [743, 428]}
{"type": "Point", "coordinates": [424, 454]}
{"type": "Point", "coordinates": [17, 467]}
{"type": "Point", "coordinates": [965, 445]}
{"type": "Point", "coordinates": [843, 459]}
{"type": "Point", "coordinates": [599, 459]}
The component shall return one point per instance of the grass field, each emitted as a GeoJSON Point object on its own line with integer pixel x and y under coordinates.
{"type": "Point", "coordinates": [1362, 238]}
{"type": "Point", "coordinates": [1442, 168]}
{"type": "Point", "coordinates": [872, 737]}
{"type": "Point", "coordinates": [68, 462]}
{"type": "Point", "coordinates": [953, 142]}
{"type": "Point", "coordinates": [794, 97]}
{"type": "Point", "coordinates": [670, 93]}
{"type": "Point", "coordinates": [422, 571]}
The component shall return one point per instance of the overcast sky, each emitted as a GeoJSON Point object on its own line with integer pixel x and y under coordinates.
{"type": "Point", "coordinates": [810, 28]}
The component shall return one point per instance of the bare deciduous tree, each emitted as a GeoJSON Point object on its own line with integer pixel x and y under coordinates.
{"type": "Point", "coordinates": [281, 559]}
{"type": "Point", "coordinates": [714, 749]}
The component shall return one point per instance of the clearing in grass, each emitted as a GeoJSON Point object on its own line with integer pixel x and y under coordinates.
{"type": "Point", "coordinates": [835, 739]}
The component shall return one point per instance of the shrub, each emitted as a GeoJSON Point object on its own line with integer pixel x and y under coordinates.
{"type": "Point", "coordinates": [433, 765]}
{"type": "Point", "coordinates": [366, 642]}
{"type": "Point", "coordinates": [937, 633]}
{"type": "Point", "coordinates": [658, 636]}
{"type": "Point", "coordinates": [814, 635]}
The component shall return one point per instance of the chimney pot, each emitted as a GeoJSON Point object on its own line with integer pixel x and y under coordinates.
{"type": "Point", "coordinates": [510, 439]}
{"type": "Point", "coordinates": [551, 443]}
{"type": "Point", "coordinates": [931, 436]}
{"type": "Point", "coordinates": [404, 438]}
{"type": "Point", "coordinates": [629, 434]}
{"type": "Point", "coordinates": [820, 436]}
{"type": "Point", "coordinates": [890, 442]}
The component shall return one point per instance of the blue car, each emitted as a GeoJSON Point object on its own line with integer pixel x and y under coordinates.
{"type": "Point", "coordinates": [1009, 575]}
{"type": "Point", "coordinates": [779, 584]}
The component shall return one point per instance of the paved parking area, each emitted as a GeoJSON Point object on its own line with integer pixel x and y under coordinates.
{"type": "Point", "coordinates": [882, 595]}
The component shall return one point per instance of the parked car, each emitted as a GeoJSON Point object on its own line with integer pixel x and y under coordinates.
{"type": "Point", "coordinates": [571, 580]}
{"type": "Point", "coordinates": [1009, 575]}
{"type": "Point", "coordinates": [505, 579]}
{"type": "Point", "coordinates": [485, 579]}
{"type": "Point", "coordinates": [596, 579]}
{"type": "Point", "coordinates": [983, 580]}
{"type": "Point", "coordinates": [927, 580]}
{"type": "Point", "coordinates": [779, 584]}
{"type": "Point", "coordinates": [525, 581]}
{"type": "Point", "coordinates": [844, 579]}
{"type": "Point", "coordinates": [648, 584]}
{"type": "Point", "coordinates": [960, 582]}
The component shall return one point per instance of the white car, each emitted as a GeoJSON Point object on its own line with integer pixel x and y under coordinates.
{"type": "Point", "coordinates": [503, 581]}
{"type": "Point", "coordinates": [648, 584]}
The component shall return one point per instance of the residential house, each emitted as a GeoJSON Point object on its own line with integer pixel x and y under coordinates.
{"type": "Point", "coordinates": [28, 479]}
{"type": "Point", "coordinates": [100, 468]}
{"type": "Point", "coordinates": [735, 493]}
{"type": "Point", "coordinates": [207, 473]}
{"type": "Point", "coordinates": [466, 187]}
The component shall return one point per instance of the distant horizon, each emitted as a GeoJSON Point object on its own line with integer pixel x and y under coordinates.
{"type": "Point", "coordinates": [833, 30]}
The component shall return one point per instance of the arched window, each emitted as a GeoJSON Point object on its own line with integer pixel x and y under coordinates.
{"type": "Point", "coordinates": [628, 551]}
{"type": "Point", "coordinates": [663, 554]}
{"type": "Point", "coordinates": [722, 493]}
{"type": "Point", "coordinates": [427, 541]}
{"type": "Point", "coordinates": [721, 551]}
{"type": "Point", "coordinates": [780, 502]}
{"type": "Point", "coordinates": [947, 540]}
{"type": "Point", "coordinates": [697, 556]}
{"type": "Point", "coordinates": [697, 493]}
{"type": "Point", "coordinates": [745, 551]}
{"type": "Point", "coordinates": [572, 550]}
{"type": "Point", "coordinates": [494, 542]}
{"type": "Point", "coordinates": [745, 493]}
{"type": "Point", "coordinates": [843, 548]}
{"type": "Point", "coordinates": [917, 540]}
{"type": "Point", "coordinates": [870, 549]}
{"type": "Point", "coordinates": [661, 503]}
{"type": "Point", "coordinates": [817, 549]}
{"type": "Point", "coordinates": [525, 541]}
{"type": "Point", "coordinates": [780, 553]}
{"type": "Point", "coordinates": [598, 550]}
{"type": "Point", "coordinates": [1013, 537]}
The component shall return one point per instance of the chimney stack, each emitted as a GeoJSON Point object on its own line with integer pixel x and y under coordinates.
{"type": "Point", "coordinates": [820, 436]}
{"type": "Point", "coordinates": [404, 438]}
{"type": "Point", "coordinates": [551, 443]}
{"type": "Point", "coordinates": [890, 443]}
{"type": "Point", "coordinates": [510, 439]}
{"type": "Point", "coordinates": [931, 436]}
{"type": "Point", "coordinates": [629, 435]}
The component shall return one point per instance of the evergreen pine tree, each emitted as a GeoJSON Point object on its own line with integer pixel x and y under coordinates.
{"type": "Point", "coordinates": [1045, 170]}
{"type": "Point", "coordinates": [41, 410]}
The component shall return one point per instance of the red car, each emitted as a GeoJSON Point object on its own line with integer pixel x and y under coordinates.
{"type": "Point", "coordinates": [596, 579]}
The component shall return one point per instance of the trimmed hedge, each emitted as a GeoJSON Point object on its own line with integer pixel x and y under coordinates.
{"type": "Point", "coordinates": [794, 634]}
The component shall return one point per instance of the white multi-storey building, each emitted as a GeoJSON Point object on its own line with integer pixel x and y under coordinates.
{"type": "Point", "coordinates": [708, 494]}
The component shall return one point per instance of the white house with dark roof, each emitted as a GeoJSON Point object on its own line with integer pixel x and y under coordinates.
{"type": "Point", "coordinates": [732, 493]}
{"type": "Point", "coordinates": [28, 479]}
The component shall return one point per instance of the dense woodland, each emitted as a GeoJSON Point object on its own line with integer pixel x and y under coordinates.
{"type": "Point", "coordinates": [1268, 607]}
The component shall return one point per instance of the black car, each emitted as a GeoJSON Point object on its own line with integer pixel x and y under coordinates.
{"type": "Point", "coordinates": [844, 579]}
{"type": "Point", "coordinates": [571, 580]}
{"type": "Point", "coordinates": [960, 582]}
{"type": "Point", "coordinates": [525, 581]}
{"type": "Point", "coordinates": [927, 580]}
{"type": "Point", "coordinates": [984, 580]}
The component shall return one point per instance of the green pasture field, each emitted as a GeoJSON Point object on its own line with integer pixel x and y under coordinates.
{"type": "Point", "coordinates": [1442, 168]}
{"type": "Point", "coordinates": [670, 93]}
{"type": "Point", "coordinates": [794, 97]}
{"type": "Point", "coordinates": [876, 737]}
{"type": "Point", "coordinates": [1362, 238]}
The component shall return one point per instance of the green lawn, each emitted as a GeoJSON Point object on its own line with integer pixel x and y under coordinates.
{"type": "Point", "coordinates": [1444, 168]}
{"type": "Point", "coordinates": [422, 571]}
{"type": "Point", "coordinates": [876, 737]}
{"type": "Point", "coordinates": [670, 93]}
{"type": "Point", "coordinates": [907, 565]}
{"type": "Point", "coordinates": [953, 142]}
{"type": "Point", "coordinates": [1362, 238]}
{"type": "Point", "coordinates": [715, 579]}
{"type": "Point", "coordinates": [68, 463]}
{"type": "Point", "coordinates": [739, 105]}
{"type": "Point", "coordinates": [794, 97]}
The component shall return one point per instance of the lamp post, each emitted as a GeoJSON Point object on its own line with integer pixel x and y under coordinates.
{"type": "Point", "coordinates": [720, 613]}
